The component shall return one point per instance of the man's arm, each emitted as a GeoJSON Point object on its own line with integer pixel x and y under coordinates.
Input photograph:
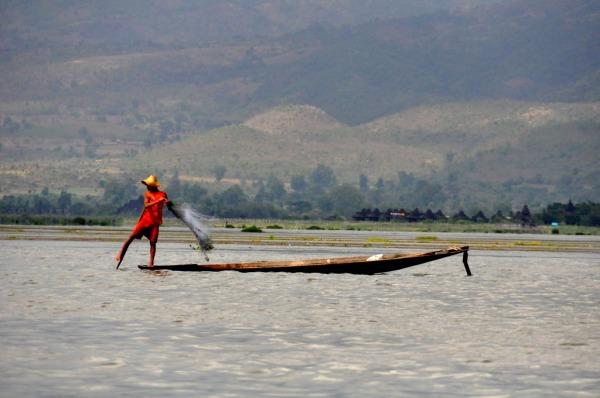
{"type": "Point", "coordinates": [148, 203]}
{"type": "Point", "coordinates": [167, 201]}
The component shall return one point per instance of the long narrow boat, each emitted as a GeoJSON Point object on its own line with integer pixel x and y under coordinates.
{"type": "Point", "coordinates": [367, 265]}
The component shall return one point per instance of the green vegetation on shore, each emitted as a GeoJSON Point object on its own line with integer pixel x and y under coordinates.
{"type": "Point", "coordinates": [317, 197]}
{"type": "Point", "coordinates": [332, 238]}
{"type": "Point", "coordinates": [433, 227]}
{"type": "Point", "coordinates": [25, 219]}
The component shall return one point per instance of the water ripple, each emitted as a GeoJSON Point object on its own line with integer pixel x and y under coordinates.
{"type": "Point", "coordinates": [523, 325]}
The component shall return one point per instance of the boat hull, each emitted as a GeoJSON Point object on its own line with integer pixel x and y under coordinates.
{"type": "Point", "coordinates": [345, 265]}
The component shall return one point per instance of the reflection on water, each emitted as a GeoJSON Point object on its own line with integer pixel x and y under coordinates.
{"type": "Point", "coordinates": [525, 324]}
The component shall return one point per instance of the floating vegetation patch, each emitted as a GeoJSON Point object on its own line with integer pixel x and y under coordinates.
{"type": "Point", "coordinates": [251, 228]}
{"type": "Point", "coordinates": [426, 238]}
{"type": "Point", "coordinates": [274, 226]}
{"type": "Point", "coordinates": [315, 227]}
{"type": "Point", "coordinates": [528, 243]}
{"type": "Point", "coordinates": [378, 239]}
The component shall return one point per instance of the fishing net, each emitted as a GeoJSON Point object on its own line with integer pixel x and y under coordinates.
{"type": "Point", "coordinates": [197, 223]}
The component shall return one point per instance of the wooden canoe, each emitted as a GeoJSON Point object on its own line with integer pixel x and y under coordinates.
{"type": "Point", "coordinates": [368, 265]}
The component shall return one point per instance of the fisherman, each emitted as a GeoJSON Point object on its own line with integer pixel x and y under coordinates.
{"type": "Point", "coordinates": [149, 221]}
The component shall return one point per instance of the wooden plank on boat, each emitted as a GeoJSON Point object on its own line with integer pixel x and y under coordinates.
{"type": "Point", "coordinates": [367, 265]}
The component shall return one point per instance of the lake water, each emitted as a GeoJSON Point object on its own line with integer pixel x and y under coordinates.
{"type": "Point", "coordinates": [526, 324]}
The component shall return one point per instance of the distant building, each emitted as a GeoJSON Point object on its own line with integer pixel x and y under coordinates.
{"type": "Point", "coordinates": [398, 215]}
{"type": "Point", "coordinates": [480, 217]}
{"type": "Point", "coordinates": [460, 216]}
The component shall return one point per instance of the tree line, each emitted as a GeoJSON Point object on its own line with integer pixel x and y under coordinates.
{"type": "Point", "coordinates": [317, 195]}
{"type": "Point", "coordinates": [523, 216]}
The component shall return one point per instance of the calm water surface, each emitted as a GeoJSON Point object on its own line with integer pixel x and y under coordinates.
{"type": "Point", "coordinates": [526, 324]}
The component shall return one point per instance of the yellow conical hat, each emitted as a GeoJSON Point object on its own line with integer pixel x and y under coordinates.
{"type": "Point", "coordinates": [151, 181]}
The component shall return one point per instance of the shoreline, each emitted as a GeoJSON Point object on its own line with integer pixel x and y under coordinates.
{"type": "Point", "coordinates": [333, 238]}
{"type": "Point", "coordinates": [319, 224]}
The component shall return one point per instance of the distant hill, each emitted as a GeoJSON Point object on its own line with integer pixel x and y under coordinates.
{"type": "Point", "coordinates": [533, 150]}
{"type": "Point", "coordinates": [519, 50]}
{"type": "Point", "coordinates": [468, 127]}
{"type": "Point", "coordinates": [530, 50]}
{"type": "Point", "coordinates": [284, 150]}
{"type": "Point", "coordinates": [494, 152]}
{"type": "Point", "coordinates": [295, 118]}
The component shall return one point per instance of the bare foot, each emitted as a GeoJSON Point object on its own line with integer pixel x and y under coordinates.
{"type": "Point", "coordinates": [119, 260]}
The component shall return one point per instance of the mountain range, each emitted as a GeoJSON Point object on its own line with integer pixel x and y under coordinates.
{"type": "Point", "coordinates": [499, 98]}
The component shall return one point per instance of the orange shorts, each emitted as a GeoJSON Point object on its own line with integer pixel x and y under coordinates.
{"type": "Point", "coordinates": [149, 231]}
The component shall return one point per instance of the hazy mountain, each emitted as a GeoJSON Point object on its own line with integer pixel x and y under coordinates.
{"type": "Point", "coordinates": [479, 151]}
{"type": "Point", "coordinates": [499, 97]}
{"type": "Point", "coordinates": [105, 26]}
{"type": "Point", "coordinates": [525, 50]}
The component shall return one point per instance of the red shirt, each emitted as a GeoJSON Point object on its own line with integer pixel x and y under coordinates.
{"type": "Point", "coordinates": [153, 214]}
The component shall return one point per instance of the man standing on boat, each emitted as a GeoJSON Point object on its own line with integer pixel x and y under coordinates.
{"type": "Point", "coordinates": [149, 221]}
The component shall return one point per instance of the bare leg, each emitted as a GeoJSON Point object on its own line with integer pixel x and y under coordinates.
{"type": "Point", "coordinates": [119, 258]}
{"type": "Point", "coordinates": [152, 254]}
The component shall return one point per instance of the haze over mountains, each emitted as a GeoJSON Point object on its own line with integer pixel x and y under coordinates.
{"type": "Point", "coordinates": [98, 26]}
{"type": "Point", "coordinates": [487, 98]}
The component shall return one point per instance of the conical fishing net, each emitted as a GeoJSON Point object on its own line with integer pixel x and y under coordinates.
{"type": "Point", "coordinates": [197, 223]}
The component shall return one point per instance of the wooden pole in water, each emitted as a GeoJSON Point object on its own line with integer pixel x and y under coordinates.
{"type": "Point", "coordinates": [465, 257]}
